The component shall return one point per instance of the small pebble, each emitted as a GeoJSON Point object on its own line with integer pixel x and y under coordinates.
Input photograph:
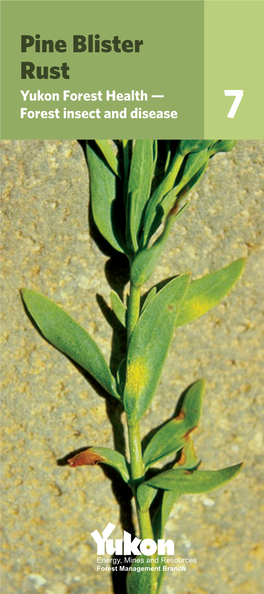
{"type": "Point", "coordinates": [208, 501]}
{"type": "Point", "coordinates": [38, 579]}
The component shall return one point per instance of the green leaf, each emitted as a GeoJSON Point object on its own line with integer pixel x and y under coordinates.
{"type": "Point", "coordinates": [206, 292]}
{"type": "Point", "coordinates": [155, 153]}
{"type": "Point", "coordinates": [103, 197]}
{"type": "Point", "coordinates": [194, 168]}
{"type": "Point", "coordinates": [145, 581]}
{"type": "Point", "coordinates": [121, 376]}
{"type": "Point", "coordinates": [98, 455]}
{"type": "Point", "coordinates": [163, 512]}
{"type": "Point", "coordinates": [149, 298]}
{"type": "Point", "coordinates": [140, 178]}
{"type": "Point", "coordinates": [197, 481]}
{"type": "Point", "coordinates": [148, 346]}
{"type": "Point", "coordinates": [222, 146]}
{"type": "Point", "coordinates": [118, 307]}
{"type": "Point", "coordinates": [145, 496]}
{"type": "Point", "coordinates": [177, 482]}
{"type": "Point", "coordinates": [194, 146]}
{"type": "Point", "coordinates": [109, 155]}
{"type": "Point", "coordinates": [146, 260]}
{"type": "Point", "coordinates": [174, 434]}
{"type": "Point", "coordinates": [154, 214]}
{"type": "Point", "coordinates": [126, 163]}
{"type": "Point", "coordinates": [188, 460]}
{"type": "Point", "coordinates": [69, 338]}
{"type": "Point", "coordinates": [168, 159]}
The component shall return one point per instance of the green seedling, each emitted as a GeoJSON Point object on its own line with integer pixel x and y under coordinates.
{"type": "Point", "coordinates": [139, 189]}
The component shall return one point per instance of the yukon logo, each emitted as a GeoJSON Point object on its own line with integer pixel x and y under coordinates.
{"type": "Point", "coordinates": [127, 546]}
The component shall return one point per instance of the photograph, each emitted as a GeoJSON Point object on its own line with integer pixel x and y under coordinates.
{"type": "Point", "coordinates": [132, 366]}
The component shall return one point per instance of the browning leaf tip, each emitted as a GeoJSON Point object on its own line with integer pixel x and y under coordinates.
{"type": "Point", "coordinates": [182, 459]}
{"type": "Point", "coordinates": [188, 433]}
{"type": "Point", "coordinates": [85, 458]}
{"type": "Point", "coordinates": [180, 416]}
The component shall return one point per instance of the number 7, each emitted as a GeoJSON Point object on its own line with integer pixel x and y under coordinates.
{"type": "Point", "coordinates": [238, 96]}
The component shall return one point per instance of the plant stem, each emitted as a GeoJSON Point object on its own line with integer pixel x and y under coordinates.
{"type": "Point", "coordinates": [138, 476]}
{"type": "Point", "coordinates": [137, 466]}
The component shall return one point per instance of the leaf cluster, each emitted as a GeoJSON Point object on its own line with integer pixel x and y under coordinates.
{"type": "Point", "coordinates": [177, 303]}
{"type": "Point", "coordinates": [138, 186]}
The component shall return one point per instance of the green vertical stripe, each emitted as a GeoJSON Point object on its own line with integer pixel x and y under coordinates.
{"type": "Point", "coordinates": [234, 56]}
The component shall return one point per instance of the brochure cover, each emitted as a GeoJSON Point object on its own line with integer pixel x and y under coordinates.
{"type": "Point", "coordinates": [132, 296]}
